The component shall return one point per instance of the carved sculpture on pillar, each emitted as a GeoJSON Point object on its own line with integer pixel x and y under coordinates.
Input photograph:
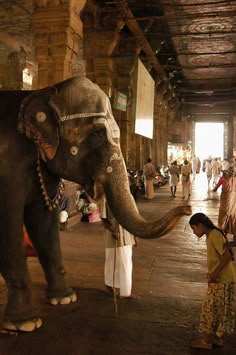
{"type": "Point", "coordinates": [12, 70]}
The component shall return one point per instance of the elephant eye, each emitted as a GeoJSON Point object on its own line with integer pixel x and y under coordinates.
{"type": "Point", "coordinates": [76, 132]}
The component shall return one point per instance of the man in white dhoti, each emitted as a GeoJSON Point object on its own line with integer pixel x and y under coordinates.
{"type": "Point", "coordinates": [194, 166]}
{"type": "Point", "coordinates": [118, 249]}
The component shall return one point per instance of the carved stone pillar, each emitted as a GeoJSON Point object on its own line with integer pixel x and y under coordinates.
{"type": "Point", "coordinates": [11, 69]}
{"type": "Point", "coordinates": [99, 64]}
{"type": "Point", "coordinates": [160, 129]}
{"type": "Point", "coordinates": [234, 135]}
{"type": "Point", "coordinates": [58, 33]}
{"type": "Point", "coordinates": [101, 37]}
{"type": "Point", "coordinates": [121, 78]}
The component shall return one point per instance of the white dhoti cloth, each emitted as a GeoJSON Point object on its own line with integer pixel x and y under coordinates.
{"type": "Point", "coordinates": [120, 274]}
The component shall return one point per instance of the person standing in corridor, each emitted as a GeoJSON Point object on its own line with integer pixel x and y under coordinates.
{"type": "Point", "coordinates": [208, 171]}
{"type": "Point", "coordinates": [149, 173]}
{"type": "Point", "coordinates": [217, 314]}
{"type": "Point", "coordinates": [194, 166]}
{"type": "Point", "coordinates": [119, 245]}
{"type": "Point", "coordinates": [185, 178]}
{"type": "Point", "coordinates": [227, 210]}
{"type": "Point", "coordinates": [215, 171]}
{"type": "Point", "coordinates": [174, 177]}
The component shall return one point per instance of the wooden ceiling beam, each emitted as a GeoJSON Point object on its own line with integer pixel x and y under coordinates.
{"type": "Point", "coordinates": [220, 14]}
{"type": "Point", "coordinates": [200, 66]}
{"type": "Point", "coordinates": [137, 32]}
{"type": "Point", "coordinates": [152, 5]}
{"type": "Point", "coordinates": [189, 33]}
{"type": "Point", "coordinates": [196, 53]}
{"type": "Point", "coordinates": [219, 2]}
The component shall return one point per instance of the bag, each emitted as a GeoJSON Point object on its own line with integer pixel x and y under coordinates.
{"type": "Point", "coordinates": [94, 217]}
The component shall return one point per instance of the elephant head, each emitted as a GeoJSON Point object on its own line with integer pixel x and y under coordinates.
{"type": "Point", "coordinates": [78, 138]}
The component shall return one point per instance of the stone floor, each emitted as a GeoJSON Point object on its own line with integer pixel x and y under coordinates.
{"type": "Point", "coordinates": [169, 276]}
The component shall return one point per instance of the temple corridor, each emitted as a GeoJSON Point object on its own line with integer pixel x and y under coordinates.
{"type": "Point", "coordinates": [169, 276]}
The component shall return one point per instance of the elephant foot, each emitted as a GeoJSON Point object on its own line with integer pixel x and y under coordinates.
{"type": "Point", "coordinates": [24, 326]}
{"type": "Point", "coordinates": [63, 300]}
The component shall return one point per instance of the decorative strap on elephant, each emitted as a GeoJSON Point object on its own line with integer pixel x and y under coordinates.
{"type": "Point", "coordinates": [81, 115]}
{"type": "Point", "coordinates": [50, 203]}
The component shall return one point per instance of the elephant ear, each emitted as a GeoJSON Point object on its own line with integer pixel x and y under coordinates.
{"type": "Point", "coordinates": [38, 120]}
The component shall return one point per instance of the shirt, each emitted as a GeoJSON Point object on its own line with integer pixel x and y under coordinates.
{"type": "Point", "coordinates": [215, 249]}
{"type": "Point", "coordinates": [149, 171]}
{"type": "Point", "coordinates": [208, 168]}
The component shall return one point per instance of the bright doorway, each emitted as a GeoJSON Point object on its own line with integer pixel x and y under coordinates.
{"type": "Point", "coordinates": [209, 139]}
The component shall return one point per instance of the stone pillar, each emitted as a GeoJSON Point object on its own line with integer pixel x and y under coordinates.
{"type": "Point", "coordinates": [99, 64]}
{"type": "Point", "coordinates": [121, 79]}
{"type": "Point", "coordinates": [101, 37]}
{"type": "Point", "coordinates": [160, 129]}
{"type": "Point", "coordinates": [11, 70]}
{"type": "Point", "coordinates": [58, 33]}
{"type": "Point", "coordinates": [234, 135]}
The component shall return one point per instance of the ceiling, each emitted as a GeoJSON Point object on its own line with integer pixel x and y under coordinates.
{"type": "Point", "coordinates": [190, 45]}
{"type": "Point", "coordinates": [195, 44]}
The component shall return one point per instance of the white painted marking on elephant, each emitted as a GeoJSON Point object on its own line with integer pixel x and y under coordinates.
{"type": "Point", "coordinates": [115, 156]}
{"type": "Point", "coordinates": [41, 116]}
{"type": "Point", "coordinates": [115, 131]}
{"type": "Point", "coordinates": [74, 150]}
{"type": "Point", "coordinates": [109, 169]}
{"type": "Point", "coordinates": [104, 121]}
{"type": "Point", "coordinates": [81, 115]}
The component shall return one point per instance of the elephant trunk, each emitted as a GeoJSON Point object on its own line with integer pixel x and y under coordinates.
{"type": "Point", "coordinates": [116, 187]}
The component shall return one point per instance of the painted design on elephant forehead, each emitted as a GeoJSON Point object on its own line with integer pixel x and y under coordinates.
{"type": "Point", "coordinates": [81, 115]}
{"type": "Point", "coordinates": [115, 156]}
{"type": "Point", "coordinates": [41, 116]}
{"type": "Point", "coordinates": [74, 150]}
{"type": "Point", "coordinates": [109, 169]}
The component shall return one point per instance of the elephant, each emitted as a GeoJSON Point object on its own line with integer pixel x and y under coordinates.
{"type": "Point", "coordinates": [66, 131]}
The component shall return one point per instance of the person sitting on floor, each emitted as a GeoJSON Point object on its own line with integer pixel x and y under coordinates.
{"type": "Point", "coordinates": [64, 207]}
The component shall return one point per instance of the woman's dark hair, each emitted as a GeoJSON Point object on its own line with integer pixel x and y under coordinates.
{"type": "Point", "coordinates": [198, 218]}
{"type": "Point", "coordinates": [201, 218]}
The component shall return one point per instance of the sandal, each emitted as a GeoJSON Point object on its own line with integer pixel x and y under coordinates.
{"type": "Point", "coordinates": [200, 344]}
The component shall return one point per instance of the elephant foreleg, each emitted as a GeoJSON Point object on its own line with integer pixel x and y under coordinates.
{"type": "Point", "coordinates": [18, 314]}
{"type": "Point", "coordinates": [43, 228]}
